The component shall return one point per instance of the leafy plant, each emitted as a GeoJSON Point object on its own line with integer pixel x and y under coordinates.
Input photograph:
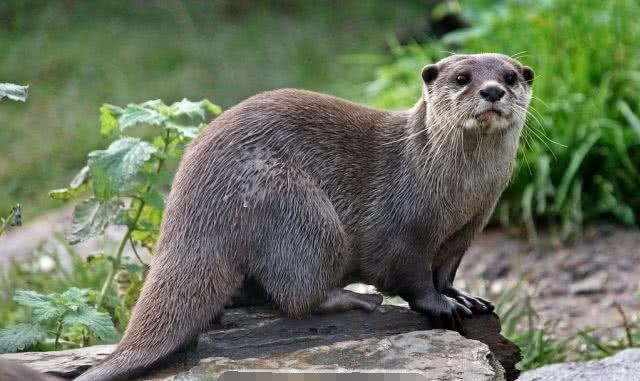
{"type": "Point", "coordinates": [54, 267]}
{"type": "Point", "coordinates": [57, 317]}
{"type": "Point", "coordinates": [16, 93]}
{"type": "Point", "coordinates": [579, 156]}
{"type": "Point", "coordinates": [126, 182]}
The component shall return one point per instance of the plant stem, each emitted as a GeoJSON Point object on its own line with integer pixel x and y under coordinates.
{"type": "Point", "coordinates": [133, 247]}
{"type": "Point", "coordinates": [58, 334]}
{"type": "Point", "coordinates": [117, 258]}
{"type": "Point", "coordinates": [625, 323]}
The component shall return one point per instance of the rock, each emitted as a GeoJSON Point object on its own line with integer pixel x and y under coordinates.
{"type": "Point", "coordinates": [593, 284]}
{"type": "Point", "coordinates": [261, 336]}
{"type": "Point", "coordinates": [436, 355]}
{"type": "Point", "coordinates": [623, 366]}
{"type": "Point", "coordinates": [13, 371]}
{"type": "Point", "coordinates": [69, 363]}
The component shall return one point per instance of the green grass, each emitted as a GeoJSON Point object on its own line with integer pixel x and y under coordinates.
{"type": "Point", "coordinates": [580, 156]}
{"type": "Point", "coordinates": [78, 55]}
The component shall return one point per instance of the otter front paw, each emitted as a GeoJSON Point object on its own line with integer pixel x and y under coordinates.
{"type": "Point", "coordinates": [445, 312]}
{"type": "Point", "coordinates": [474, 303]}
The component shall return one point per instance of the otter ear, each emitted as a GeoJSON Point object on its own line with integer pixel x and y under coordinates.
{"type": "Point", "coordinates": [528, 74]}
{"type": "Point", "coordinates": [430, 73]}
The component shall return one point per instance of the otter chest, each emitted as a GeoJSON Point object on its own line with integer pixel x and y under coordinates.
{"type": "Point", "coordinates": [468, 195]}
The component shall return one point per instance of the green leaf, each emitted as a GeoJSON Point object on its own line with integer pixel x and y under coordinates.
{"type": "Point", "coordinates": [78, 185]}
{"type": "Point", "coordinates": [191, 109]}
{"type": "Point", "coordinates": [108, 118]}
{"type": "Point", "coordinates": [213, 108]}
{"type": "Point", "coordinates": [114, 169]}
{"type": "Point", "coordinates": [155, 104]}
{"type": "Point", "coordinates": [576, 159]}
{"type": "Point", "coordinates": [21, 336]}
{"type": "Point", "coordinates": [543, 187]}
{"type": "Point", "coordinates": [98, 322]}
{"type": "Point", "coordinates": [62, 194]}
{"type": "Point", "coordinates": [13, 92]}
{"type": "Point", "coordinates": [74, 296]}
{"type": "Point", "coordinates": [43, 306]}
{"type": "Point", "coordinates": [159, 180]}
{"type": "Point", "coordinates": [31, 299]}
{"type": "Point", "coordinates": [146, 231]}
{"type": "Point", "coordinates": [81, 178]}
{"type": "Point", "coordinates": [140, 114]}
{"type": "Point", "coordinates": [91, 217]}
{"type": "Point", "coordinates": [186, 131]}
{"type": "Point", "coordinates": [630, 116]}
{"type": "Point", "coordinates": [154, 199]}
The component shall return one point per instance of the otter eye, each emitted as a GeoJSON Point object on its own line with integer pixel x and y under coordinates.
{"type": "Point", "coordinates": [510, 78]}
{"type": "Point", "coordinates": [462, 79]}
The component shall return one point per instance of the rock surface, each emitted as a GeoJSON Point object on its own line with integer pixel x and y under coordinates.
{"type": "Point", "coordinates": [623, 366]}
{"type": "Point", "coordinates": [436, 355]}
{"type": "Point", "coordinates": [390, 338]}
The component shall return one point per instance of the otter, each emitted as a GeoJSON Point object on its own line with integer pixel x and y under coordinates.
{"type": "Point", "coordinates": [301, 193]}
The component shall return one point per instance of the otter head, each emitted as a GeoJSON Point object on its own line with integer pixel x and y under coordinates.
{"type": "Point", "coordinates": [484, 93]}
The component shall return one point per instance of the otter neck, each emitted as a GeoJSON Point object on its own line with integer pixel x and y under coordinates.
{"type": "Point", "coordinates": [445, 160]}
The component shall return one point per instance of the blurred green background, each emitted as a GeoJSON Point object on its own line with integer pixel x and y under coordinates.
{"type": "Point", "coordinates": [580, 155]}
{"type": "Point", "coordinates": [578, 162]}
{"type": "Point", "coordinates": [76, 55]}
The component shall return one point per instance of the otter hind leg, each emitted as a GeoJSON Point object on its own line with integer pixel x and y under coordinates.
{"type": "Point", "coordinates": [305, 253]}
{"type": "Point", "coordinates": [340, 300]}
{"type": "Point", "coordinates": [298, 273]}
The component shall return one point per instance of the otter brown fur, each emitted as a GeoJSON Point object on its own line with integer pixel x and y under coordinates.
{"type": "Point", "coordinates": [302, 193]}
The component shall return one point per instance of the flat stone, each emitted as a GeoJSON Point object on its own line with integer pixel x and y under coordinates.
{"type": "Point", "coordinates": [435, 355]}
{"type": "Point", "coordinates": [623, 366]}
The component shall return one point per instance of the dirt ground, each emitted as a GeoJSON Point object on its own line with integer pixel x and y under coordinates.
{"type": "Point", "coordinates": [575, 287]}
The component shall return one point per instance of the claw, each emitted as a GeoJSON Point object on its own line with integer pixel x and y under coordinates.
{"type": "Point", "coordinates": [445, 312]}
{"type": "Point", "coordinates": [474, 303]}
{"type": "Point", "coordinates": [465, 301]}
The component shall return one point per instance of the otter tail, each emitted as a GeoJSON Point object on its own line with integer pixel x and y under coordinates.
{"type": "Point", "coordinates": [180, 298]}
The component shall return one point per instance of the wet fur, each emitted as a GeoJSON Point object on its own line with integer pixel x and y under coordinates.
{"type": "Point", "coordinates": [303, 193]}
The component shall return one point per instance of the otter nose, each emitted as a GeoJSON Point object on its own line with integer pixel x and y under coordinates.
{"type": "Point", "coordinates": [492, 93]}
